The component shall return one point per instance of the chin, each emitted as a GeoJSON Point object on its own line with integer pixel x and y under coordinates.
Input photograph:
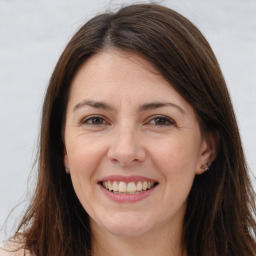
{"type": "Point", "coordinates": [126, 225]}
{"type": "Point", "coordinates": [126, 231]}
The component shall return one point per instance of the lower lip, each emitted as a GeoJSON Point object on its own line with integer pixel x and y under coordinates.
{"type": "Point", "coordinates": [126, 198]}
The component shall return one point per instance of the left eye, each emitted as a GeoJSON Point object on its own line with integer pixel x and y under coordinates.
{"type": "Point", "coordinates": [161, 121]}
{"type": "Point", "coordinates": [96, 120]}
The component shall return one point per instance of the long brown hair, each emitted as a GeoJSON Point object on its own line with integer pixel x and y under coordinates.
{"type": "Point", "coordinates": [220, 215]}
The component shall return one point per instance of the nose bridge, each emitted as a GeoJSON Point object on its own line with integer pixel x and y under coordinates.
{"type": "Point", "coordinates": [126, 138]}
{"type": "Point", "coordinates": [126, 146]}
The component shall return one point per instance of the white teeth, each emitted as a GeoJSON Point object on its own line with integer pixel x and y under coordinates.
{"type": "Point", "coordinates": [105, 184]}
{"type": "Point", "coordinates": [144, 185]}
{"type": "Point", "coordinates": [115, 186]}
{"type": "Point", "coordinates": [139, 186]}
{"type": "Point", "coordinates": [131, 187]}
{"type": "Point", "coordinates": [150, 185]}
{"type": "Point", "coordinates": [122, 187]}
{"type": "Point", "coordinates": [110, 187]}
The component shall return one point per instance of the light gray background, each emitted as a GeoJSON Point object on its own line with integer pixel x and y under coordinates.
{"type": "Point", "coordinates": [33, 35]}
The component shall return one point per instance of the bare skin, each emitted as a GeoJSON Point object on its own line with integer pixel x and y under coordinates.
{"type": "Point", "coordinates": [126, 124]}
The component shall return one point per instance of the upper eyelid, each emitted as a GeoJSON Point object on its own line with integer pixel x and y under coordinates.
{"type": "Point", "coordinates": [85, 119]}
{"type": "Point", "coordinates": [160, 116]}
{"type": "Point", "coordinates": [150, 118]}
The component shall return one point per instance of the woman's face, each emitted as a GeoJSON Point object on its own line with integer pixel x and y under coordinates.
{"type": "Point", "coordinates": [133, 145]}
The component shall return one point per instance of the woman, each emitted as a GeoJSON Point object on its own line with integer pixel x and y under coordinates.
{"type": "Point", "coordinates": [140, 152]}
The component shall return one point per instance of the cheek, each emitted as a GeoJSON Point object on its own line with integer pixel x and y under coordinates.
{"type": "Point", "coordinates": [176, 161]}
{"type": "Point", "coordinates": [83, 155]}
{"type": "Point", "coordinates": [82, 166]}
{"type": "Point", "coordinates": [82, 162]}
{"type": "Point", "coordinates": [176, 156]}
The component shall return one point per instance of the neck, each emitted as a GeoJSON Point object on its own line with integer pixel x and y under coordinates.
{"type": "Point", "coordinates": [162, 242]}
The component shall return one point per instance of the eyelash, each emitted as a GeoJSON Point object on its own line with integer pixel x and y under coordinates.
{"type": "Point", "coordinates": [89, 120]}
{"type": "Point", "coordinates": [98, 120]}
{"type": "Point", "coordinates": [167, 121]}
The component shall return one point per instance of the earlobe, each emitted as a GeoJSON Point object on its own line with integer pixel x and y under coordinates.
{"type": "Point", "coordinates": [206, 166]}
{"type": "Point", "coordinates": [209, 150]}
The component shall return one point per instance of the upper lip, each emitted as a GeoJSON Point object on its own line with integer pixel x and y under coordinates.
{"type": "Point", "coordinates": [127, 179]}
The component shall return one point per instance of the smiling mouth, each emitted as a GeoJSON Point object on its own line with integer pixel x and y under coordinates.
{"type": "Point", "coordinates": [130, 188]}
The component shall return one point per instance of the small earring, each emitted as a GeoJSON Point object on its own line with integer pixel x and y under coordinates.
{"type": "Point", "coordinates": [206, 167]}
{"type": "Point", "coordinates": [67, 169]}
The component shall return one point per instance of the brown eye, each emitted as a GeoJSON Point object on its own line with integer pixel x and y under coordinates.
{"type": "Point", "coordinates": [161, 121]}
{"type": "Point", "coordinates": [95, 120]}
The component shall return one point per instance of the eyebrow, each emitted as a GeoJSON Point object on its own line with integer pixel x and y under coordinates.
{"type": "Point", "coordinates": [94, 104]}
{"type": "Point", "coordinates": [144, 107]}
{"type": "Point", "coordinates": [154, 105]}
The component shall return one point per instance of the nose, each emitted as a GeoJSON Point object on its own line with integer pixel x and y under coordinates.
{"type": "Point", "coordinates": [126, 147]}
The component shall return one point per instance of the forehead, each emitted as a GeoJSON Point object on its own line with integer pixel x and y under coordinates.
{"type": "Point", "coordinates": [114, 75]}
{"type": "Point", "coordinates": [110, 65]}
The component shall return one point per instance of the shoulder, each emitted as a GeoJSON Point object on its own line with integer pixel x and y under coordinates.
{"type": "Point", "coordinates": [12, 249]}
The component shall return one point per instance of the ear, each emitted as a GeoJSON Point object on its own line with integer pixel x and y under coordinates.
{"type": "Point", "coordinates": [208, 151]}
{"type": "Point", "coordinates": [66, 161]}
